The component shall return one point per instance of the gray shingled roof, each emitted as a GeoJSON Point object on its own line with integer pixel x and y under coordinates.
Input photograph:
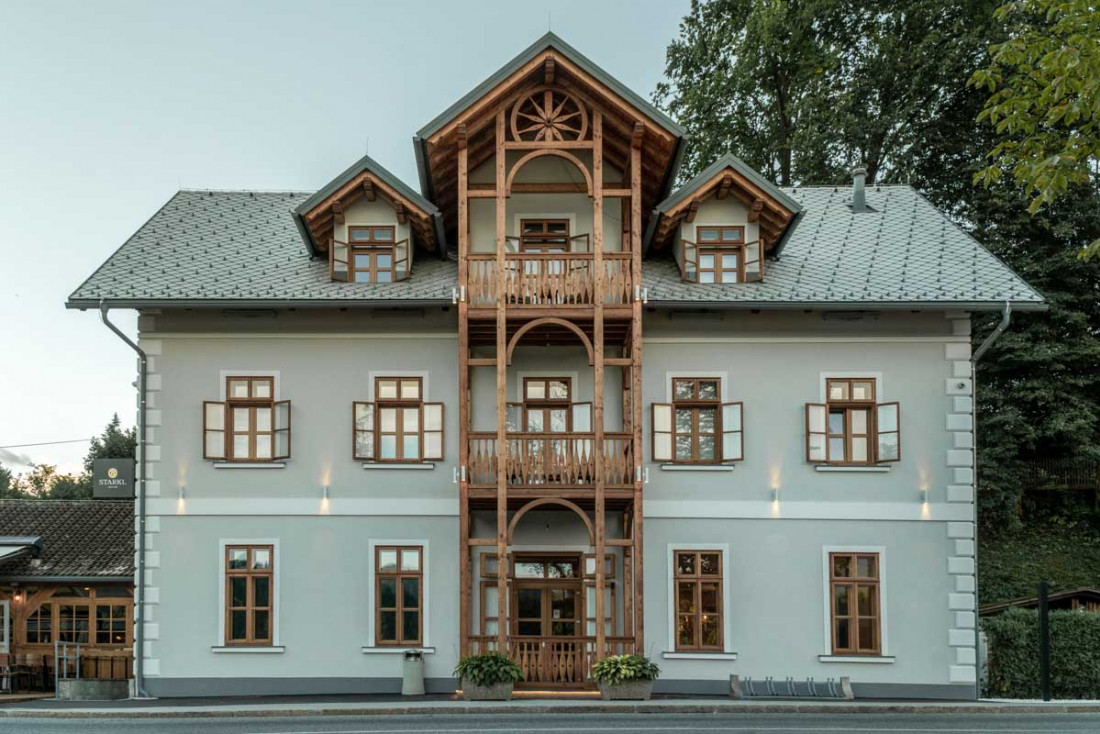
{"type": "Point", "coordinates": [80, 538]}
{"type": "Point", "coordinates": [240, 248]}
{"type": "Point", "coordinates": [904, 253]}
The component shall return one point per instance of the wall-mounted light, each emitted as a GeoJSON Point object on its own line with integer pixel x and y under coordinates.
{"type": "Point", "coordinates": [775, 494]}
{"type": "Point", "coordinates": [924, 496]}
{"type": "Point", "coordinates": [182, 493]}
{"type": "Point", "coordinates": [324, 492]}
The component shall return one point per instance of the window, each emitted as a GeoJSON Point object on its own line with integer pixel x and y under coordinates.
{"type": "Point", "coordinates": [721, 255]}
{"type": "Point", "coordinates": [398, 426]}
{"type": "Point", "coordinates": [40, 625]}
{"type": "Point", "coordinates": [99, 616]}
{"type": "Point", "coordinates": [697, 578]}
{"type": "Point", "coordinates": [854, 602]}
{"type": "Point", "coordinates": [398, 595]}
{"type": "Point", "coordinates": [371, 255]}
{"type": "Point", "coordinates": [73, 622]}
{"type": "Point", "coordinates": [544, 235]}
{"type": "Point", "coordinates": [250, 425]}
{"type": "Point", "coordinates": [697, 427]}
{"type": "Point", "coordinates": [851, 428]}
{"type": "Point", "coordinates": [110, 624]}
{"type": "Point", "coordinates": [249, 594]}
{"type": "Point", "coordinates": [546, 404]}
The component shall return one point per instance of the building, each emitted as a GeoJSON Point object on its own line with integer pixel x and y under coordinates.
{"type": "Point", "coordinates": [368, 405]}
{"type": "Point", "coordinates": [67, 577]}
{"type": "Point", "coordinates": [1082, 599]}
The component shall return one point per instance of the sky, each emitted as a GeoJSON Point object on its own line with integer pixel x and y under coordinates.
{"type": "Point", "coordinates": [108, 108]}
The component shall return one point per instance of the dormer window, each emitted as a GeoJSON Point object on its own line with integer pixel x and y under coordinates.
{"type": "Point", "coordinates": [370, 255]}
{"type": "Point", "coordinates": [721, 255]}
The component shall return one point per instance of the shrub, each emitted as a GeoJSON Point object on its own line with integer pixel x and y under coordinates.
{"type": "Point", "coordinates": [488, 668]}
{"type": "Point", "coordinates": [619, 668]}
{"type": "Point", "coordinates": [1013, 639]}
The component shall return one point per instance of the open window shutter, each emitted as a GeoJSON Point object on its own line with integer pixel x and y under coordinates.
{"type": "Point", "coordinates": [888, 426]}
{"type": "Point", "coordinates": [816, 414]}
{"type": "Point", "coordinates": [689, 268]}
{"type": "Point", "coordinates": [432, 420]}
{"type": "Point", "coordinates": [515, 417]}
{"type": "Point", "coordinates": [733, 436]}
{"type": "Point", "coordinates": [661, 423]}
{"type": "Point", "coordinates": [401, 263]}
{"type": "Point", "coordinates": [582, 417]}
{"type": "Point", "coordinates": [282, 429]}
{"type": "Point", "coordinates": [754, 262]}
{"type": "Point", "coordinates": [338, 260]}
{"type": "Point", "coordinates": [362, 429]}
{"type": "Point", "coordinates": [213, 429]}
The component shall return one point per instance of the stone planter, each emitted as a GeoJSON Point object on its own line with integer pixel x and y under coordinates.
{"type": "Point", "coordinates": [495, 692]}
{"type": "Point", "coordinates": [90, 689]}
{"type": "Point", "coordinates": [628, 690]}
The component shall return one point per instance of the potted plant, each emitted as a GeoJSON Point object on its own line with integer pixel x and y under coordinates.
{"type": "Point", "coordinates": [625, 677]}
{"type": "Point", "coordinates": [488, 676]}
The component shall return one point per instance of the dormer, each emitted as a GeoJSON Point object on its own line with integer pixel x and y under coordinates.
{"type": "Point", "coordinates": [722, 224]}
{"type": "Point", "coordinates": [368, 224]}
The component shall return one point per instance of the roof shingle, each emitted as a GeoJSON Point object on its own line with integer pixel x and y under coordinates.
{"type": "Point", "coordinates": [81, 538]}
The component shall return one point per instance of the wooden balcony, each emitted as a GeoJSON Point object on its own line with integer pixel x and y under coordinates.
{"type": "Point", "coordinates": [556, 661]}
{"type": "Point", "coordinates": [560, 460]}
{"type": "Point", "coordinates": [544, 282]}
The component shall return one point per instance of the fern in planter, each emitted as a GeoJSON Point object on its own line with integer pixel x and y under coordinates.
{"type": "Point", "coordinates": [618, 669]}
{"type": "Point", "coordinates": [488, 669]}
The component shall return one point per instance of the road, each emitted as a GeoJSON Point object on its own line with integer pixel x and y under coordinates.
{"type": "Point", "coordinates": [573, 724]}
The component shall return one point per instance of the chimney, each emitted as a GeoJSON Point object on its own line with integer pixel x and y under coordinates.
{"type": "Point", "coordinates": [859, 194]}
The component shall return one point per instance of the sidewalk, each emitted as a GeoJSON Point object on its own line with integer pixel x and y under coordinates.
{"type": "Point", "coordinates": [428, 705]}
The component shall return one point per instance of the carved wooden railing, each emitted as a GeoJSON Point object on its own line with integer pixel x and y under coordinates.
{"type": "Point", "coordinates": [549, 280]}
{"type": "Point", "coordinates": [555, 660]}
{"type": "Point", "coordinates": [551, 459]}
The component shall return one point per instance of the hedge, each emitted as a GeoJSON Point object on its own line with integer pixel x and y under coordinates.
{"type": "Point", "coordinates": [1013, 639]}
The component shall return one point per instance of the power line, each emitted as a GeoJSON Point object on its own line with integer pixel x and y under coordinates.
{"type": "Point", "coordinates": [45, 443]}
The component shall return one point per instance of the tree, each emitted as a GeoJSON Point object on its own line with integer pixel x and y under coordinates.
{"type": "Point", "coordinates": [114, 443]}
{"type": "Point", "coordinates": [1045, 99]}
{"type": "Point", "coordinates": [9, 489]}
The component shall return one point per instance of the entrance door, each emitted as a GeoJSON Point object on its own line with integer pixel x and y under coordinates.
{"type": "Point", "coordinates": [547, 622]}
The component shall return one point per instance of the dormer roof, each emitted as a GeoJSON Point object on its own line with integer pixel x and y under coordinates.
{"type": "Point", "coordinates": [727, 176]}
{"type": "Point", "coordinates": [367, 178]}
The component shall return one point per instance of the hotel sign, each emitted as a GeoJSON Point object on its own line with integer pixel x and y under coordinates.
{"type": "Point", "coordinates": [113, 479]}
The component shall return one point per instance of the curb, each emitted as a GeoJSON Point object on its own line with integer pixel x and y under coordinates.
{"type": "Point", "coordinates": [1068, 708]}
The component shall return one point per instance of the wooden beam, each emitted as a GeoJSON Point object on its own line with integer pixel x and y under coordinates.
{"type": "Point", "coordinates": [338, 211]}
{"type": "Point", "coordinates": [465, 572]}
{"type": "Point", "coordinates": [402, 217]}
{"type": "Point", "coordinates": [502, 389]}
{"type": "Point", "coordinates": [461, 137]}
{"type": "Point", "coordinates": [368, 189]}
{"type": "Point", "coordinates": [755, 209]}
{"type": "Point", "coordinates": [636, 399]}
{"type": "Point", "coordinates": [548, 70]}
{"type": "Point", "coordinates": [693, 209]}
{"type": "Point", "coordinates": [724, 187]}
{"type": "Point", "coordinates": [638, 137]}
{"type": "Point", "coordinates": [598, 377]}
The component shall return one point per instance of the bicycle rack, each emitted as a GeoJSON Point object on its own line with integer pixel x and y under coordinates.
{"type": "Point", "coordinates": [790, 688]}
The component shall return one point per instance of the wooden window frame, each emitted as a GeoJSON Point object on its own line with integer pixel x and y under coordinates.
{"type": "Point", "coordinates": [695, 404]}
{"type": "Point", "coordinates": [721, 245]}
{"type": "Point", "coordinates": [374, 440]}
{"type": "Point", "coordinates": [399, 576]}
{"type": "Point", "coordinates": [250, 403]}
{"type": "Point", "coordinates": [697, 579]}
{"type": "Point", "coordinates": [372, 246]}
{"type": "Point", "coordinates": [854, 583]}
{"type": "Point", "coordinates": [540, 242]}
{"type": "Point", "coordinates": [548, 403]}
{"type": "Point", "coordinates": [850, 405]}
{"type": "Point", "coordinates": [51, 606]}
{"type": "Point", "coordinates": [249, 573]}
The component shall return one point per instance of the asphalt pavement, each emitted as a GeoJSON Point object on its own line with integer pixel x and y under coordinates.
{"type": "Point", "coordinates": [572, 723]}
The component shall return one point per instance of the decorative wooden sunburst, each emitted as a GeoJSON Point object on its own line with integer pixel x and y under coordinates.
{"type": "Point", "coordinates": [549, 115]}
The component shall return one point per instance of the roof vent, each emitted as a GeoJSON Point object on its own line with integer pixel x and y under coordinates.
{"type": "Point", "coordinates": [859, 193]}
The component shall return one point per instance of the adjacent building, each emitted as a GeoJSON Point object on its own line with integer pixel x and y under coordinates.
{"type": "Point", "coordinates": [549, 402]}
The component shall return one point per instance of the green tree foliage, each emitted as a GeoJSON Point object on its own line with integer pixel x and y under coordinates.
{"type": "Point", "coordinates": [1044, 82]}
{"type": "Point", "coordinates": [114, 443]}
{"type": "Point", "coordinates": [8, 489]}
{"type": "Point", "coordinates": [893, 92]}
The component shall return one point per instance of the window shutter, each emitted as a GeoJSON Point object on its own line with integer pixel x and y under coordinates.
{"type": "Point", "coordinates": [362, 430]}
{"type": "Point", "coordinates": [888, 426]}
{"type": "Point", "coordinates": [432, 419]}
{"type": "Point", "coordinates": [754, 262]}
{"type": "Point", "coordinates": [338, 260]}
{"type": "Point", "coordinates": [515, 418]}
{"type": "Point", "coordinates": [582, 417]}
{"type": "Point", "coordinates": [733, 436]}
{"type": "Point", "coordinates": [815, 432]}
{"type": "Point", "coordinates": [661, 424]}
{"type": "Point", "coordinates": [213, 429]}
{"type": "Point", "coordinates": [401, 265]}
{"type": "Point", "coordinates": [282, 429]}
{"type": "Point", "coordinates": [689, 268]}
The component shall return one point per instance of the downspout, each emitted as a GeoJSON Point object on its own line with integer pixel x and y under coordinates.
{"type": "Point", "coordinates": [139, 606]}
{"type": "Point", "coordinates": [1006, 317]}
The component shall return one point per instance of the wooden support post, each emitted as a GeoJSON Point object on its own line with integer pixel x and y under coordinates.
{"type": "Point", "coordinates": [636, 378]}
{"type": "Point", "coordinates": [598, 379]}
{"type": "Point", "coordinates": [502, 406]}
{"type": "Point", "coordinates": [465, 575]}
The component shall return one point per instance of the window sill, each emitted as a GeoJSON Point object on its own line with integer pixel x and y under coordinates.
{"type": "Point", "coordinates": [396, 650]}
{"type": "Point", "coordinates": [865, 659]}
{"type": "Point", "coordinates": [249, 464]}
{"type": "Point", "coordinates": [697, 467]}
{"type": "Point", "coordinates": [879, 469]}
{"type": "Point", "coordinates": [699, 655]}
{"type": "Point", "coordinates": [396, 465]}
{"type": "Point", "coordinates": [249, 649]}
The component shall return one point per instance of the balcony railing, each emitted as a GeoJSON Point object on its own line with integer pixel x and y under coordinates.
{"type": "Point", "coordinates": [556, 660]}
{"type": "Point", "coordinates": [545, 280]}
{"type": "Point", "coordinates": [552, 460]}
